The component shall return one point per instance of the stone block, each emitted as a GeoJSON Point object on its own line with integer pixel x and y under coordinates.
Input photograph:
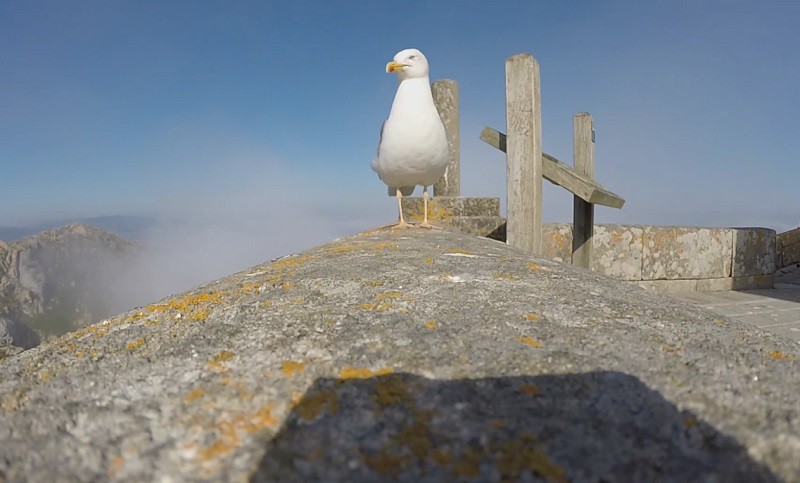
{"type": "Point", "coordinates": [754, 251]}
{"type": "Point", "coordinates": [617, 251]}
{"type": "Point", "coordinates": [443, 207]}
{"type": "Point", "coordinates": [789, 255]}
{"type": "Point", "coordinates": [671, 252]}
{"type": "Point", "coordinates": [557, 241]}
{"type": "Point", "coordinates": [753, 282]}
{"type": "Point", "coordinates": [667, 286]}
{"type": "Point", "coordinates": [715, 284]}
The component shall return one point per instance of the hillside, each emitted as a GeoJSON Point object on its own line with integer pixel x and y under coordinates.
{"type": "Point", "coordinates": [59, 280]}
{"type": "Point", "coordinates": [415, 356]}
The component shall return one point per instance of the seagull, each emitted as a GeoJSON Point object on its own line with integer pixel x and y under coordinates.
{"type": "Point", "coordinates": [413, 146]}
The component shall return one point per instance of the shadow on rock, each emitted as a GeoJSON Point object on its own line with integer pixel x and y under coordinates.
{"type": "Point", "coordinates": [601, 426]}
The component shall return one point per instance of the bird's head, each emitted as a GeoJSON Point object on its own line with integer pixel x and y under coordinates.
{"type": "Point", "coordinates": [408, 64]}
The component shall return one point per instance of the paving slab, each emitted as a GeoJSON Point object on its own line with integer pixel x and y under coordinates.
{"type": "Point", "coordinates": [776, 310]}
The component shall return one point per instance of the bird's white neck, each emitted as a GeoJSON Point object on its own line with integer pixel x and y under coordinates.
{"type": "Point", "coordinates": [414, 93]}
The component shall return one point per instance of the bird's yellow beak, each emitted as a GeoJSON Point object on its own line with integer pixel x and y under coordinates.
{"type": "Point", "coordinates": [393, 66]}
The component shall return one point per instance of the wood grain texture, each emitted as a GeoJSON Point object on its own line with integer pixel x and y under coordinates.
{"type": "Point", "coordinates": [562, 175]}
{"type": "Point", "coordinates": [445, 96]}
{"type": "Point", "coordinates": [524, 153]}
{"type": "Point", "coordinates": [583, 211]}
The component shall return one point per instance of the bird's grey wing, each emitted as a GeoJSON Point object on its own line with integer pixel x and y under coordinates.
{"type": "Point", "coordinates": [380, 139]}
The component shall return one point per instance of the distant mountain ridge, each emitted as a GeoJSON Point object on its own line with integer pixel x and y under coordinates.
{"type": "Point", "coordinates": [62, 279]}
{"type": "Point", "coordinates": [130, 227]}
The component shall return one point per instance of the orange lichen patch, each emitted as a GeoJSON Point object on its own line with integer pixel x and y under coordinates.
{"type": "Point", "coordinates": [430, 325]}
{"type": "Point", "coordinates": [530, 389]}
{"type": "Point", "coordinates": [132, 346]}
{"type": "Point", "coordinates": [468, 463]}
{"type": "Point", "coordinates": [134, 317]}
{"type": "Point", "coordinates": [288, 286]}
{"type": "Point", "coordinates": [718, 321]}
{"type": "Point", "coordinates": [266, 304]}
{"type": "Point", "coordinates": [199, 315]}
{"type": "Point", "coordinates": [230, 433]}
{"type": "Point", "coordinates": [670, 349]}
{"type": "Point", "coordinates": [359, 373]}
{"type": "Point", "coordinates": [291, 367]}
{"type": "Point", "coordinates": [524, 454]}
{"type": "Point", "coordinates": [460, 251]}
{"type": "Point", "coordinates": [289, 262]}
{"type": "Point", "coordinates": [534, 266]}
{"type": "Point", "coordinates": [530, 341]}
{"type": "Point", "coordinates": [417, 436]}
{"type": "Point", "coordinates": [689, 421]}
{"type": "Point", "coordinates": [530, 316]}
{"type": "Point", "coordinates": [378, 247]}
{"type": "Point", "coordinates": [194, 395]}
{"type": "Point", "coordinates": [92, 329]}
{"type": "Point", "coordinates": [377, 306]}
{"type": "Point", "coordinates": [253, 288]}
{"type": "Point", "coordinates": [497, 424]}
{"type": "Point", "coordinates": [152, 322]}
{"type": "Point", "coordinates": [389, 391]}
{"type": "Point", "coordinates": [384, 463]}
{"type": "Point", "coordinates": [312, 405]}
{"type": "Point", "coordinates": [342, 249]}
{"type": "Point", "coordinates": [216, 362]}
{"type": "Point", "coordinates": [781, 355]}
{"type": "Point", "coordinates": [187, 302]}
{"type": "Point", "coordinates": [429, 260]}
{"type": "Point", "coordinates": [117, 463]}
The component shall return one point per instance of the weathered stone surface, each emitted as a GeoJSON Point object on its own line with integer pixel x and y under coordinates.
{"type": "Point", "coordinates": [789, 255]}
{"type": "Point", "coordinates": [754, 251]}
{"type": "Point", "coordinates": [420, 355]}
{"type": "Point", "coordinates": [672, 252]}
{"type": "Point", "coordinates": [443, 207]}
{"type": "Point", "coordinates": [618, 251]}
{"type": "Point", "coordinates": [557, 242]}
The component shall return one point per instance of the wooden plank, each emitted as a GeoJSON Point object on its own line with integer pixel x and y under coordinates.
{"type": "Point", "coordinates": [583, 212]}
{"type": "Point", "coordinates": [445, 96]}
{"type": "Point", "coordinates": [562, 175]}
{"type": "Point", "coordinates": [524, 154]}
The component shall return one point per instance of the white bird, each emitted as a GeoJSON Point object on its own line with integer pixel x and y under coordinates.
{"type": "Point", "coordinates": [413, 145]}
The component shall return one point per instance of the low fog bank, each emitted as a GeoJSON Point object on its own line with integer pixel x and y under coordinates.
{"type": "Point", "coordinates": [180, 253]}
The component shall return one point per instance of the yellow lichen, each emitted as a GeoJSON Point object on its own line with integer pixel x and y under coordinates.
{"type": "Point", "coordinates": [291, 367]}
{"type": "Point", "coordinates": [266, 304]}
{"type": "Point", "coordinates": [530, 316]}
{"type": "Point", "coordinates": [530, 389]}
{"type": "Point", "coordinates": [360, 373]}
{"type": "Point", "coordinates": [343, 249]}
{"type": "Point", "coordinates": [378, 247]}
{"type": "Point", "coordinates": [312, 405]}
{"type": "Point", "coordinates": [430, 325]}
{"type": "Point", "coordinates": [429, 260]}
{"type": "Point", "coordinates": [229, 433]}
{"type": "Point", "coordinates": [217, 360]}
{"type": "Point", "coordinates": [384, 463]}
{"type": "Point", "coordinates": [298, 300]}
{"type": "Point", "coordinates": [131, 346]}
{"type": "Point", "coordinates": [530, 341]}
{"type": "Point", "coordinates": [388, 295]}
{"type": "Point", "coordinates": [289, 262]}
{"type": "Point", "coordinates": [194, 395]}
{"type": "Point", "coordinates": [534, 266]}
{"type": "Point", "coordinates": [781, 355]}
{"type": "Point", "coordinates": [389, 391]}
{"type": "Point", "coordinates": [199, 315]}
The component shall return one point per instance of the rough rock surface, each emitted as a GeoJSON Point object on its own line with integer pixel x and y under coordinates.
{"type": "Point", "coordinates": [415, 355]}
{"type": "Point", "coordinates": [15, 337]}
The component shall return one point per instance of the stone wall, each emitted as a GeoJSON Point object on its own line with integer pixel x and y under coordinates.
{"type": "Point", "coordinates": [788, 245]}
{"type": "Point", "coordinates": [672, 258]}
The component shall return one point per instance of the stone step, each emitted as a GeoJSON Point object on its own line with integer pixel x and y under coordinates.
{"type": "Point", "coordinates": [442, 207]}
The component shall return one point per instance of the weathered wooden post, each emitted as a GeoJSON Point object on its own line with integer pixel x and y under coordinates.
{"type": "Point", "coordinates": [524, 153]}
{"type": "Point", "coordinates": [583, 211]}
{"type": "Point", "coordinates": [445, 96]}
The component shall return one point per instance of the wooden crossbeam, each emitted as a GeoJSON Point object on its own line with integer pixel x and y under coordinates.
{"type": "Point", "coordinates": [562, 175]}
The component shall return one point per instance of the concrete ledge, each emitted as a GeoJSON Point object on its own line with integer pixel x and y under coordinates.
{"type": "Point", "coordinates": [706, 284]}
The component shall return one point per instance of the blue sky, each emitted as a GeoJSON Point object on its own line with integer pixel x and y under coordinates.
{"type": "Point", "coordinates": [269, 112]}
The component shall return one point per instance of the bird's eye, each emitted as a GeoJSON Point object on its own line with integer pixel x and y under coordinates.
{"type": "Point", "coordinates": [413, 57]}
